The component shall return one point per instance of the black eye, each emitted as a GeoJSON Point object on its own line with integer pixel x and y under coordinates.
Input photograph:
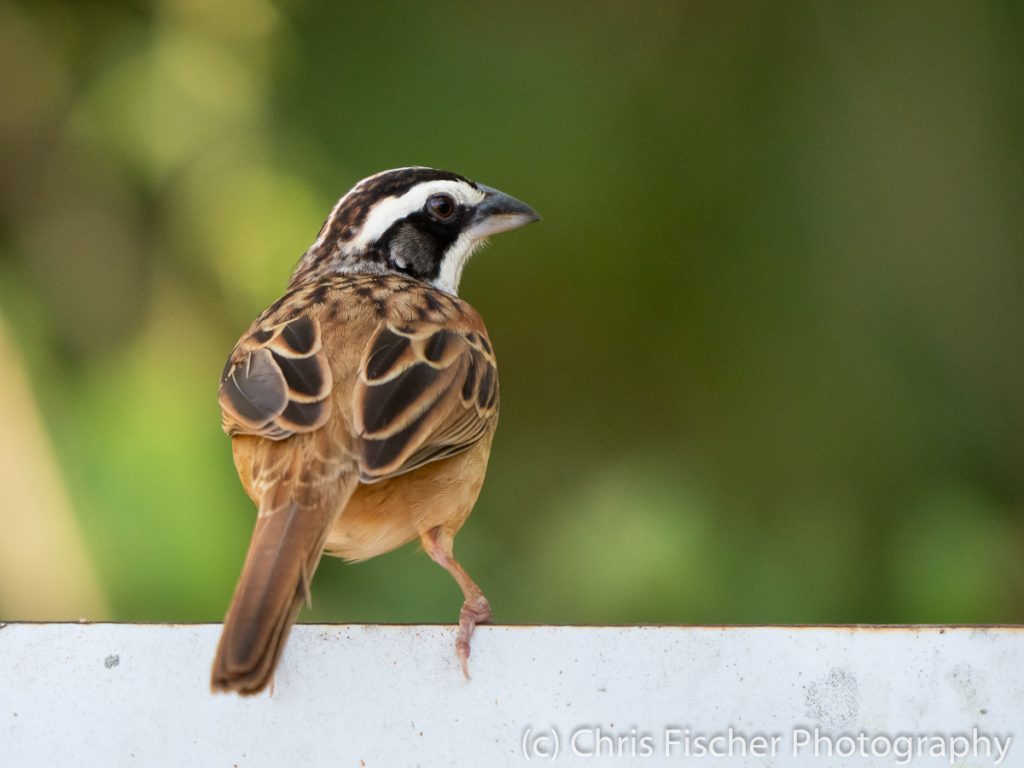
{"type": "Point", "coordinates": [441, 207]}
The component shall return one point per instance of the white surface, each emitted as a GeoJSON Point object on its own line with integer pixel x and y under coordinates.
{"type": "Point", "coordinates": [113, 695]}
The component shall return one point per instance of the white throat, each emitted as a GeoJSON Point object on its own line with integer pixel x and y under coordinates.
{"type": "Point", "coordinates": [455, 260]}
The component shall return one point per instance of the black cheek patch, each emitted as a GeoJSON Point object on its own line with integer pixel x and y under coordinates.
{"type": "Point", "coordinates": [418, 243]}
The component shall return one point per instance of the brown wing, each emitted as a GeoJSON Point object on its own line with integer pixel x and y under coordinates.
{"type": "Point", "coordinates": [424, 393]}
{"type": "Point", "coordinates": [277, 381]}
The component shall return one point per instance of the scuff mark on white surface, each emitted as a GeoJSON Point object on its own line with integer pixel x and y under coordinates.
{"type": "Point", "coordinates": [834, 701]}
{"type": "Point", "coordinates": [969, 685]}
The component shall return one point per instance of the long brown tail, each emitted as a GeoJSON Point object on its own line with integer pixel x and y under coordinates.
{"type": "Point", "coordinates": [283, 555]}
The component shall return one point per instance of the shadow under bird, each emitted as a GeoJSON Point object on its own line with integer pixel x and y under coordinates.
{"type": "Point", "coordinates": [362, 404]}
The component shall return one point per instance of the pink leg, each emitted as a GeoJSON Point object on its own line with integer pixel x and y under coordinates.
{"type": "Point", "coordinates": [475, 609]}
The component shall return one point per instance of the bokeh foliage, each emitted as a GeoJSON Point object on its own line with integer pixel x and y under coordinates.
{"type": "Point", "coordinates": [761, 362]}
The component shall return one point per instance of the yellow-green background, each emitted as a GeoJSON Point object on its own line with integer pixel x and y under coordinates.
{"type": "Point", "coordinates": [762, 361]}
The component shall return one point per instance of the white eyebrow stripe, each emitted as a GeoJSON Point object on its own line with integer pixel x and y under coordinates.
{"type": "Point", "coordinates": [326, 230]}
{"type": "Point", "coordinates": [392, 209]}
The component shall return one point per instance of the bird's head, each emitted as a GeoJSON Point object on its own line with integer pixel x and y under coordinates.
{"type": "Point", "coordinates": [420, 222]}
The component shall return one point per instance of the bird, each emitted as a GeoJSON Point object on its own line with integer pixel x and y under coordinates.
{"type": "Point", "coordinates": [362, 404]}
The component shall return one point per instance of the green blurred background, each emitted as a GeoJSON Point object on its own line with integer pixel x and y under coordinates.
{"type": "Point", "coordinates": [761, 362]}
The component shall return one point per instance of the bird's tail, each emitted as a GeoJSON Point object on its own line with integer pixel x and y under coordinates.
{"type": "Point", "coordinates": [286, 546]}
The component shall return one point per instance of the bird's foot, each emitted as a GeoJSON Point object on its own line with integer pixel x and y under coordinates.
{"type": "Point", "coordinates": [474, 611]}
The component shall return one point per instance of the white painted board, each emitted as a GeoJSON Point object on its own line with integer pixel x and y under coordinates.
{"type": "Point", "coordinates": [393, 696]}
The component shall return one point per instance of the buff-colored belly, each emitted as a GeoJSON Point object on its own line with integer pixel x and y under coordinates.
{"type": "Point", "coordinates": [383, 516]}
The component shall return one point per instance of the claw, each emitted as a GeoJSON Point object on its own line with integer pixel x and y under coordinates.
{"type": "Point", "coordinates": [476, 612]}
{"type": "Point", "coordinates": [462, 651]}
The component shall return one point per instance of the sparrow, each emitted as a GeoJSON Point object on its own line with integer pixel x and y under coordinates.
{"type": "Point", "coordinates": [361, 405]}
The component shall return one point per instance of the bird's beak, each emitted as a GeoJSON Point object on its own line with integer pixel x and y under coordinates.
{"type": "Point", "coordinates": [499, 212]}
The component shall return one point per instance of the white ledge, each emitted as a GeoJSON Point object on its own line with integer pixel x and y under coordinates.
{"type": "Point", "coordinates": [115, 694]}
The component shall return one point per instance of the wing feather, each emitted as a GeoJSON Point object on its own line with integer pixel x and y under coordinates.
{"type": "Point", "coordinates": [277, 381]}
{"type": "Point", "coordinates": [424, 393]}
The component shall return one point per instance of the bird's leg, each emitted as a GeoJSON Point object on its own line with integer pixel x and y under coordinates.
{"type": "Point", "coordinates": [475, 609]}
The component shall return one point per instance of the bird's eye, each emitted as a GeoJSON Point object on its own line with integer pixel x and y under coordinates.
{"type": "Point", "coordinates": [441, 207]}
